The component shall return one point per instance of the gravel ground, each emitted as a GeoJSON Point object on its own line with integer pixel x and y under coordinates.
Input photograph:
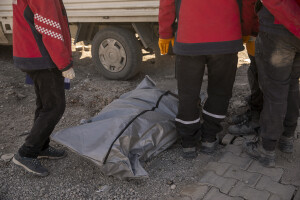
{"type": "Point", "coordinates": [78, 178]}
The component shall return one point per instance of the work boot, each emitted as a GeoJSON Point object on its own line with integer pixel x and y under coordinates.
{"type": "Point", "coordinates": [31, 165]}
{"type": "Point", "coordinates": [249, 126]}
{"type": "Point", "coordinates": [256, 151]}
{"type": "Point", "coordinates": [189, 153]}
{"type": "Point", "coordinates": [237, 119]}
{"type": "Point", "coordinates": [286, 144]}
{"type": "Point", "coordinates": [52, 153]}
{"type": "Point", "coordinates": [189, 145]}
{"type": "Point", "coordinates": [244, 128]}
{"type": "Point", "coordinates": [209, 147]}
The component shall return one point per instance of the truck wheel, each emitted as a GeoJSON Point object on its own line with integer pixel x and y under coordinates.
{"type": "Point", "coordinates": [116, 53]}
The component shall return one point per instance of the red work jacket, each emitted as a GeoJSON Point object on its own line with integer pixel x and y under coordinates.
{"type": "Point", "coordinates": [41, 36]}
{"type": "Point", "coordinates": [204, 27]}
{"type": "Point", "coordinates": [285, 12]}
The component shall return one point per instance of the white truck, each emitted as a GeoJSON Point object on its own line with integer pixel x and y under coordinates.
{"type": "Point", "coordinates": [117, 29]}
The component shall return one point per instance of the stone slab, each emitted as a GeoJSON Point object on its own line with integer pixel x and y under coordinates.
{"type": "Point", "coordinates": [227, 139]}
{"type": "Point", "coordinates": [285, 192]}
{"type": "Point", "coordinates": [274, 197]}
{"type": "Point", "coordinates": [297, 196]}
{"type": "Point", "coordinates": [246, 177]}
{"type": "Point", "coordinates": [218, 168]}
{"type": "Point", "coordinates": [238, 141]}
{"type": "Point", "coordinates": [242, 162]}
{"type": "Point", "coordinates": [194, 191]}
{"type": "Point", "coordinates": [212, 179]}
{"type": "Point", "coordinates": [274, 173]}
{"type": "Point", "coordinates": [249, 193]}
{"type": "Point", "coordinates": [234, 149]}
{"type": "Point", "coordinates": [215, 194]}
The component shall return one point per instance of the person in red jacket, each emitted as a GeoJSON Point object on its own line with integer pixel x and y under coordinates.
{"type": "Point", "coordinates": [42, 49]}
{"type": "Point", "coordinates": [278, 61]}
{"type": "Point", "coordinates": [248, 122]}
{"type": "Point", "coordinates": [209, 32]}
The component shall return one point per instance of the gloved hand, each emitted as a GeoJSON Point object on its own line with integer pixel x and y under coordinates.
{"type": "Point", "coordinates": [164, 45]}
{"type": "Point", "coordinates": [70, 74]}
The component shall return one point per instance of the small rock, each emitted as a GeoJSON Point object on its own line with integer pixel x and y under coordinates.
{"type": "Point", "coordinates": [7, 157]}
{"type": "Point", "coordinates": [103, 188]}
{"type": "Point", "coordinates": [227, 139]}
{"type": "Point", "coordinates": [24, 133]}
{"type": "Point", "coordinates": [173, 187]}
{"type": "Point", "coordinates": [86, 80]}
{"type": "Point", "coordinates": [237, 104]}
{"type": "Point", "coordinates": [85, 121]}
{"type": "Point", "coordinates": [170, 182]}
{"type": "Point", "coordinates": [21, 96]}
{"type": "Point", "coordinates": [247, 60]}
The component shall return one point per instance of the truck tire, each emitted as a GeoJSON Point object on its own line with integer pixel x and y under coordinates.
{"type": "Point", "coordinates": [116, 53]}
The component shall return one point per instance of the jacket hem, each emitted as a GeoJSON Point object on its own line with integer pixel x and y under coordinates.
{"type": "Point", "coordinates": [33, 63]}
{"type": "Point", "coordinates": [67, 67]}
{"type": "Point", "coordinates": [210, 48]}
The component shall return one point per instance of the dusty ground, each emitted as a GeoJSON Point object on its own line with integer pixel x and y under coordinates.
{"type": "Point", "coordinates": [77, 178]}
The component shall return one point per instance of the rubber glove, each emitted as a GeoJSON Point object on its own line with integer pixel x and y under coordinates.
{"type": "Point", "coordinates": [70, 74]}
{"type": "Point", "coordinates": [164, 45]}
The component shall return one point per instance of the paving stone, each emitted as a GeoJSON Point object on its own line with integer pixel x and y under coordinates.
{"type": "Point", "coordinates": [249, 137]}
{"type": "Point", "coordinates": [274, 173]}
{"type": "Point", "coordinates": [224, 184]}
{"type": "Point", "coordinates": [246, 192]}
{"type": "Point", "coordinates": [291, 178]}
{"type": "Point", "coordinates": [238, 141]}
{"type": "Point", "coordinates": [283, 191]}
{"type": "Point", "coordinates": [234, 149]}
{"type": "Point", "coordinates": [215, 194]}
{"type": "Point", "coordinates": [218, 168]}
{"type": "Point", "coordinates": [247, 177]}
{"type": "Point", "coordinates": [178, 198]}
{"type": "Point", "coordinates": [242, 162]}
{"type": "Point", "coordinates": [194, 191]}
{"type": "Point", "coordinates": [227, 139]}
{"type": "Point", "coordinates": [274, 197]}
{"type": "Point", "coordinates": [297, 196]}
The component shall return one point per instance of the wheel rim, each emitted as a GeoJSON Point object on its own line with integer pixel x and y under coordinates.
{"type": "Point", "coordinates": [112, 55]}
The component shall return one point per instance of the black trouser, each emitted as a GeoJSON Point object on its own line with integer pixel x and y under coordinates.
{"type": "Point", "coordinates": [278, 61]}
{"type": "Point", "coordinates": [221, 76]}
{"type": "Point", "coordinates": [50, 102]}
{"type": "Point", "coordinates": [256, 96]}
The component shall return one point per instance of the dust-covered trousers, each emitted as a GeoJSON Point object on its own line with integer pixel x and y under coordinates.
{"type": "Point", "coordinates": [256, 96]}
{"type": "Point", "coordinates": [221, 76]}
{"type": "Point", "coordinates": [278, 62]}
{"type": "Point", "coordinates": [50, 106]}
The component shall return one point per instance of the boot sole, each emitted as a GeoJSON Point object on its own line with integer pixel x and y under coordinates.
{"type": "Point", "coordinates": [52, 158]}
{"type": "Point", "coordinates": [287, 149]}
{"type": "Point", "coordinates": [262, 161]}
{"type": "Point", "coordinates": [27, 169]}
